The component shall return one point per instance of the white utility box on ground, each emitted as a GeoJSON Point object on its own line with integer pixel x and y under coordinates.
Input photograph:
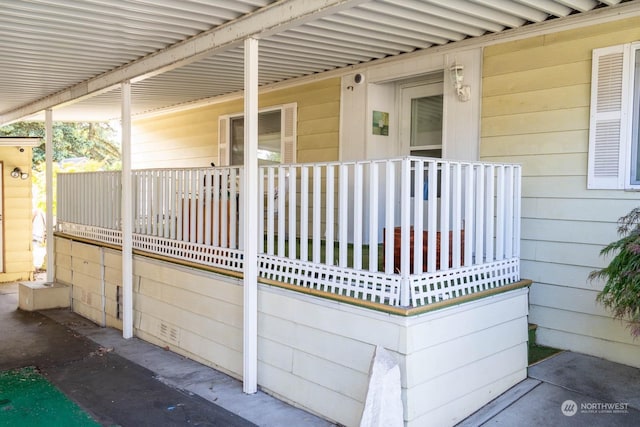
{"type": "Point", "coordinates": [42, 295]}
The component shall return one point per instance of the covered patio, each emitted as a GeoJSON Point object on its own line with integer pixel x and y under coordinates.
{"type": "Point", "coordinates": [289, 275]}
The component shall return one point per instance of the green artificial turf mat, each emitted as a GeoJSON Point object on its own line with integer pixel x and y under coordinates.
{"type": "Point", "coordinates": [28, 399]}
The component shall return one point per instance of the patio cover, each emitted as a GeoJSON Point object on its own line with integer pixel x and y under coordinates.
{"type": "Point", "coordinates": [58, 52]}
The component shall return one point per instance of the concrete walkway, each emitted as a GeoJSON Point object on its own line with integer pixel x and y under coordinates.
{"type": "Point", "coordinates": [568, 389]}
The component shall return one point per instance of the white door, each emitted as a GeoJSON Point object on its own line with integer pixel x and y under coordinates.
{"type": "Point", "coordinates": [421, 120]}
{"type": "Point", "coordinates": [421, 129]}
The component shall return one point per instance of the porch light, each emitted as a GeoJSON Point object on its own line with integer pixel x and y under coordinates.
{"type": "Point", "coordinates": [17, 173]}
{"type": "Point", "coordinates": [457, 77]}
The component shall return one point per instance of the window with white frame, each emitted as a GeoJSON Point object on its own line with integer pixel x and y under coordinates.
{"type": "Point", "coordinates": [614, 155]}
{"type": "Point", "coordinates": [276, 136]}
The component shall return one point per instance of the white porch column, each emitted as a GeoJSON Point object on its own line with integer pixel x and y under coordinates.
{"type": "Point", "coordinates": [250, 195]}
{"type": "Point", "coordinates": [48, 152]}
{"type": "Point", "coordinates": [127, 215]}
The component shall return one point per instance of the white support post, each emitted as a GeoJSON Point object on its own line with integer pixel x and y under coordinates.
{"type": "Point", "coordinates": [127, 216]}
{"type": "Point", "coordinates": [250, 195]}
{"type": "Point", "coordinates": [48, 134]}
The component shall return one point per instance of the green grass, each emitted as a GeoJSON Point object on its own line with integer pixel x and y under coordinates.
{"type": "Point", "coordinates": [28, 399]}
{"type": "Point", "coordinates": [538, 352]}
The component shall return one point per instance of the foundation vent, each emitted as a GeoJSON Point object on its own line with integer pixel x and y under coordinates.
{"type": "Point", "coordinates": [169, 333]}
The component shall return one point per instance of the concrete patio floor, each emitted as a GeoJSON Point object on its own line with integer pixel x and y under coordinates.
{"type": "Point", "coordinates": [130, 382]}
{"type": "Point", "coordinates": [567, 389]}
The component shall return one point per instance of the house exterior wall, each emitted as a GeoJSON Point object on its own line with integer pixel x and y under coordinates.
{"type": "Point", "coordinates": [312, 352]}
{"type": "Point", "coordinates": [535, 111]}
{"type": "Point", "coordinates": [189, 138]}
{"type": "Point", "coordinates": [17, 216]}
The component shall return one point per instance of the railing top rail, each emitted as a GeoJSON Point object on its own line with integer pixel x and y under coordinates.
{"type": "Point", "coordinates": [315, 164]}
{"type": "Point", "coordinates": [205, 168]}
{"type": "Point", "coordinates": [391, 159]}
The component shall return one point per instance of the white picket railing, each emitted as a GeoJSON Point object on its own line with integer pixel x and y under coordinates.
{"type": "Point", "coordinates": [408, 232]}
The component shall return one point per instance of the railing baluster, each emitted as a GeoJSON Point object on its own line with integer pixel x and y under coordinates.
{"type": "Point", "coordinates": [329, 215]}
{"type": "Point", "coordinates": [456, 214]}
{"type": "Point", "coordinates": [479, 214]}
{"type": "Point", "coordinates": [149, 210]}
{"type": "Point", "coordinates": [304, 214]}
{"type": "Point", "coordinates": [445, 200]}
{"type": "Point", "coordinates": [172, 209]}
{"type": "Point", "coordinates": [405, 230]}
{"type": "Point", "coordinates": [373, 216]}
{"type": "Point", "coordinates": [208, 211]}
{"type": "Point", "coordinates": [418, 213]}
{"type": "Point", "coordinates": [281, 206]}
{"type": "Point", "coordinates": [224, 209]}
{"type": "Point", "coordinates": [241, 210]}
{"type": "Point", "coordinates": [216, 207]}
{"type": "Point", "coordinates": [193, 207]}
{"type": "Point", "coordinates": [358, 201]}
{"type": "Point", "coordinates": [500, 213]}
{"type": "Point", "coordinates": [180, 209]}
{"type": "Point", "coordinates": [261, 211]}
{"type": "Point", "coordinates": [343, 212]}
{"type": "Point", "coordinates": [157, 202]}
{"type": "Point", "coordinates": [232, 206]}
{"type": "Point", "coordinates": [432, 216]}
{"type": "Point", "coordinates": [489, 213]}
{"type": "Point", "coordinates": [200, 215]}
{"type": "Point", "coordinates": [517, 196]}
{"type": "Point", "coordinates": [292, 212]}
{"type": "Point", "coordinates": [390, 205]}
{"type": "Point", "coordinates": [270, 211]}
{"type": "Point", "coordinates": [317, 213]}
{"type": "Point", "coordinates": [469, 217]}
{"type": "Point", "coordinates": [167, 200]}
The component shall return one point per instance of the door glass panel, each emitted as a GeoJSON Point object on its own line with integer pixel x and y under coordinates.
{"type": "Point", "coordinates": [426, 122]}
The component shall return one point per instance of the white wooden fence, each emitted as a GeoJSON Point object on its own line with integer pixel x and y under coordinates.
{"type": "Point", "coordinates": [408, 231]}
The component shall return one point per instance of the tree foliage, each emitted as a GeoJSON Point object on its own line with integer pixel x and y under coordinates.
{"type": "Point", "coordinates": [95, 141]}
{"type": "Point", "coordinates": [621, 293]}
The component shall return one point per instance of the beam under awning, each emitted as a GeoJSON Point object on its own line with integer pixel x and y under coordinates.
{"type": "Point", "coordinates": [269, 20]}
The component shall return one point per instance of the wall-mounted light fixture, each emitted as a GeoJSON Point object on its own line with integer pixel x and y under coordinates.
{"type": "Point", "coordinates": [17, 173]}
{"type": "Point", "coordinates": [456, 71]}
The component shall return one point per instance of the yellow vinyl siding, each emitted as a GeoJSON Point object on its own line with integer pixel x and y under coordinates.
{"type": "Point", "coordinates": [573, 96]}
{"type": "Point", "coordinates": [535, 111]}
{"type": "Point", "coordinates": [17, 215]}
{"type": "Point", "coordinates": [189, 138]}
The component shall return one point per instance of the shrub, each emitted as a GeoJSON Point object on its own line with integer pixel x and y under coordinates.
{"type": "Point", "coordinates": [621, 293]}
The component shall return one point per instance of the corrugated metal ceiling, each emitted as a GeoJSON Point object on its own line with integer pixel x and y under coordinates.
{"type": "Point", "coordinates": [50, 45]}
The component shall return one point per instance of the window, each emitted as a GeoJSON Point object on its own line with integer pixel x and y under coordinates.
{"type": "Point", "coordinates": [276, 137]}
{"type": "Point", "coordinates": [614, 154]}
